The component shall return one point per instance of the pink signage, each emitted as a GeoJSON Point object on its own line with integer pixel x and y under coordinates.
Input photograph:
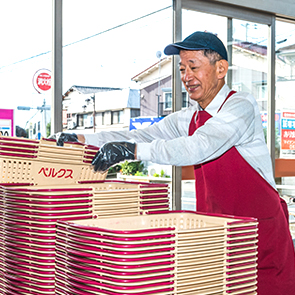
{"type": "Point", "coordinates": [6, 122]}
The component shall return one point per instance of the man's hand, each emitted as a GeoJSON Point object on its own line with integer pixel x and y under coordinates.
{"type": "Point", "coordinates": [112, 153]}
{"type": "Point", "coordinates": [62, 137]}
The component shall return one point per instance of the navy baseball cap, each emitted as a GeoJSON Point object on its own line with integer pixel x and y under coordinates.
{"type": "Point", "coordinates": [198, 41]}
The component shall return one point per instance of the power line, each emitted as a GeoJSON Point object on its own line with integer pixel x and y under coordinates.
{"type": "Point", "coordinates": [116, 27]}
{"type": "Point", "coordinates": [83, 39]}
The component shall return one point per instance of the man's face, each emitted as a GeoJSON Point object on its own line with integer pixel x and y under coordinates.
{"type": "Point", "coordinates": [200, 78]}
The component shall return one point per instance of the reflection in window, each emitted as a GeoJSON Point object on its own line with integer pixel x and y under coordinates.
{"type": "Point", "coordinates": [249, 60]}
{"type": "Point", "coordinates": [134, 113]}
{"type": "Point", "coordinates": [82, 120]}
{"type": "Point", "coordinates": [99, 119]}
{"type": "Point", "coordinates": [117, 117]}
{"type": "Point", "coordinates": [168, 100]}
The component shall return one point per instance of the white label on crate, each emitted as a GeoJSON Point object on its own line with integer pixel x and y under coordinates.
{"type": "Point", "coordinates": [5, 127]}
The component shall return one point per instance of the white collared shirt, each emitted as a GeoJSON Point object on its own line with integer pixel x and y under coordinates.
{"type": "Point", "coordinates": [238, 124]}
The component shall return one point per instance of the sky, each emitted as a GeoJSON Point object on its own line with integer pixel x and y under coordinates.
{"type": "Point", "coordinates": [121, 39]}
{"type": "Point", "coordinates": [106, 43]}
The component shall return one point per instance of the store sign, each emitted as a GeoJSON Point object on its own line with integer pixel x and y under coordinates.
{"type": "Point", "coordinates": [42, 80]}
{"type": "Point", "coordinates": [288, 134]}
{"type": "Point", "coordinates": [140, 123]}
{"type": "Point", "coordinates": [6, 122]}
{"type": "Point", "coordinates": [288, 115]}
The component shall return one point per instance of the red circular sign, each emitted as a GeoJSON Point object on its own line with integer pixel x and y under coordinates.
{"type": "Point", "coordinates": [42, 80]}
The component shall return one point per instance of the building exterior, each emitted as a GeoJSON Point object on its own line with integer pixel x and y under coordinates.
{"type": "Point", "coordinates": [93, 109]}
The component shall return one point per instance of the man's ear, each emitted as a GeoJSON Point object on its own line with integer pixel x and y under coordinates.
{"type": "Point", "coordinates": [222, 68]}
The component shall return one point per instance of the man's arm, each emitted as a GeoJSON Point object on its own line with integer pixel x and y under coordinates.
{"type": "Point", "coordinates": [81, 138]}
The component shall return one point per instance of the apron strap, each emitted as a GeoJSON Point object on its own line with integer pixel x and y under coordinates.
{"type": "Point", "coordinates": [228, 96]}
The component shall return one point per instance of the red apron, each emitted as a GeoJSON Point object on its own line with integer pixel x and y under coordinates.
{"type": "Point", "coordinates": [229, 185]}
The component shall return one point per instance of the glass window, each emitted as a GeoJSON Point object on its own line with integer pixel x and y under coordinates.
{"type": "Point", "coordinates": [89, 121]}
{"type": "Point", "coordinates": [80, 118]}
{"type": "Point", "coordinates": [168, 100]}
{"type": "Point", "coordinates": [249, 60]}
{"type": "Point", "coordinates": [108, 118]}
{"type": "Point", "coordinates": [117, 117]}
{"type": "Point", "coordinates": [133, 114]}
{"type": "Point", "coordinates": [85, 119]}
{"type": "Point", "coordinates": [98, 119]}
{"type": "Point", "coordinates": [120, 117]}
{"type": "Point", "coordinates": [102, 118]}
{"type": "Point", "coordinates": [114, 117]}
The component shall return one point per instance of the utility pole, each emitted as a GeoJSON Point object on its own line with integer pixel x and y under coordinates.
{"type": "Point", "coordinates": [159, 54]}
{"type": "Point", "coordinates": [56, 111]}
{"type": "Point", "coordinates": [93, 99]}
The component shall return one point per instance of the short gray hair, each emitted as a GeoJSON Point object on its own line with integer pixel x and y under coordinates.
{"type": "Point", "coordinates": [212, 55]}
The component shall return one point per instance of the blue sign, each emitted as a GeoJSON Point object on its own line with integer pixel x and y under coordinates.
{"type": "Point", "coordinates": [140, 123]}
{"type": "Point", "coordinates": [288, 124]}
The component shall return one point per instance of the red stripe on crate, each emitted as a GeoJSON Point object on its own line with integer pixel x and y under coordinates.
{"type": "Point", "coordinates": [24, 146]}
{"type": "Point", "coordinates": [16, 155]}
{"type": "Point", "coordinates": [4, 138]}
{"type": "Point", "coordinates": [16, 151]}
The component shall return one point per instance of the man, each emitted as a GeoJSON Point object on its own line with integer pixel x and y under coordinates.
{"type": "Point", "coordinates": [222, 137]}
